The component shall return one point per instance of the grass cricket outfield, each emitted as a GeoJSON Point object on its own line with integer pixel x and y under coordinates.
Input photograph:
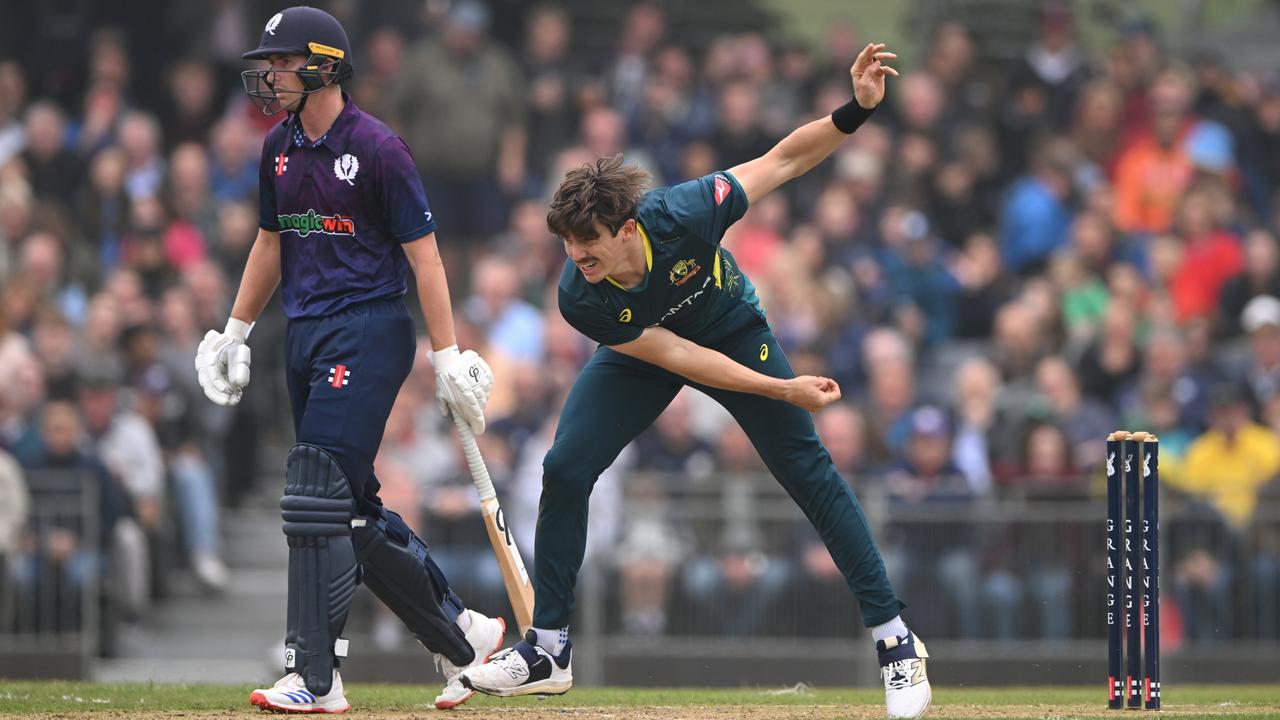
{"type": "Point", "coordinates": [50, 700]}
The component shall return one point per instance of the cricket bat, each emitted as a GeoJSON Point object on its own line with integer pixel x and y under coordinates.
{"type": "Point", "coordinates": [514, 575]}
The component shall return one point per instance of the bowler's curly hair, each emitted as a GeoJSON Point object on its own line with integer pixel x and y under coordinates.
{"type": "Point", "coordinates": [605, 192]}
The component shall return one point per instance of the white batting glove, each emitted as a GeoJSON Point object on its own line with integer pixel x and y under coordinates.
{"type": "Point", "coordinates": [222, 363]}
{"type": "Point", "coordinates": [463, 383]}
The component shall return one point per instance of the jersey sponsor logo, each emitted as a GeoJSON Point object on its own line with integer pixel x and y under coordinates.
{"type": "Point", "coordinates": [346, 168]}
{"type": "Point", "coordinates": [282, 164]}
{"type": "Point", "coordinates": [274, 23]}
{"type": "Point", "coordinates": [687, 302]}
{"type": "Point", "coordinates": [722, 188]}
{"type": "Point", "coordinates": [683, 270]}
{"type": "Point", "coordinates": [306, 223]}
{"type": "Point", "coordinates": [764, 352]}
{"type": "Point", "coordinates": [625, 315]}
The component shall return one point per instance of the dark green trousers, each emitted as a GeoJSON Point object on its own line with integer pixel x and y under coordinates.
{"type": "Point", "coordinates": [616, 397]}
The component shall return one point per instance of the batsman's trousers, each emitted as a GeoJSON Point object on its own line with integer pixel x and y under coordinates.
{"type": "Point", "coordinates": [344, 372]}
{"type": "Point", "coordinates": [616, 397]}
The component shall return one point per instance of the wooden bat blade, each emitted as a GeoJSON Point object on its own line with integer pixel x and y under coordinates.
{"type": "Point", "coordinates": [514, 575]}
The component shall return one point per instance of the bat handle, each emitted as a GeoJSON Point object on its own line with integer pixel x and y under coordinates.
{"type": "Point", "coordinates": [479, 473]}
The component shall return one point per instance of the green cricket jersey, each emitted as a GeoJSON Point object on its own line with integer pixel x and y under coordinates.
{"type": "Point", "coordinates": [692, 286]}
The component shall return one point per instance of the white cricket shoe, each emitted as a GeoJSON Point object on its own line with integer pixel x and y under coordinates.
{"type": "Point", "coordinates": [906, 683]}
{"type": "Point", "coordinates": [290, 695]}
{"type": "Point", "coordinates": [523, 669]}
{"type": "Point", "coordinates": [485, 636]}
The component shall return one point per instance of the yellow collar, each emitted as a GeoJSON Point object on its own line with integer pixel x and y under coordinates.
{"type": "Point", "coordinates": [648, 255]}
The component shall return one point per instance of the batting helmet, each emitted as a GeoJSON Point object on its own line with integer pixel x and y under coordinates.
{"type": "Point", "coordinates": [305, 31]}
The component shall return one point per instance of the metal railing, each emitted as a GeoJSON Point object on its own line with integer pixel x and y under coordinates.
{"type": "Point", "coordinates": [50, 588]}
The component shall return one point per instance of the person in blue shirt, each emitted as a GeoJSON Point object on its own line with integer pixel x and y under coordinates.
{"type": "Point", "coordinates": [343, 218]}
{"type": "Point", "coordinates": [647, 278]}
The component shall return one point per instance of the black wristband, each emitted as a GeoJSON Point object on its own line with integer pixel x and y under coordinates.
{"type": "Point", "coordinates": [849, 116]}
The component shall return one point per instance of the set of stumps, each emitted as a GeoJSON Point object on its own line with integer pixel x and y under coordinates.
{"type": "Point", "coordinates": [1133, 542]}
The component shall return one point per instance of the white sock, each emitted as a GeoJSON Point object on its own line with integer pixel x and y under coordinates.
{"type": "Point", "coordinates": [464, 621]}
{"type": "Point", "coordinates": [893, 628]}
{"type": "Point", "coordinates": [553, 641]}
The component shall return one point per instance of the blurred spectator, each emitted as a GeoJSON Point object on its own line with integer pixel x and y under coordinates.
{"type": "Point", "coordinates": [140, 141]}
{"type": "Point", "coordinates": [670, 446]}
{"type": "Point", "coordinates": [234, 166]}
{"type": "Point", "coordinates": [978, 421]}
{"type": "Point", "coordinates": [1154, 170]}
{"type": "Point", "coordinates": [191, 107]}
{"type": "Point", "coordinates": [127, 446]}
{"type": "Point", "coordinates": [1055, 62]}
{"type": "Point", "coordinates": [733, 581]}
{"type": "Point", "coordinates": [1259, 276]}
{"type": "Point", "coordinates": [983, 286]}
{"type": "Point", "coordinates": [59, 444]}
{"type": "Point", "coordinates": [13, 90]}
{"type": "Point", "coordinates": [552, 85]}
{"type": "Point", "coordinates": [1225, 469]}
{"type": "Point", "coordinates": [1079, 417]}
{"type": "Point", "coordinates": [1211, 257]}
{"type": "Point", "coordinates": [649, 552]}
{"type": "Point", "coordinates": [1261, 319]}
{"type": "Point", "coordinates": [1230, 462]}
{"type": "Point", "coordinates": [1036, 217]}
{"type": "Point", "coordinates": [513, 326]}
{"type": "Point", "coordinates": [15, 504]}
{"type": "Point", "coordinates": [52, 168]}
{"type": "Point", "coordinates": [1113, 360]}
{"type": "Point", "coordinates": [936, 547]}
{"type": "Point", "coordinates": [464, 120]}
{"type": "Point", "coordinates": [170, 410]}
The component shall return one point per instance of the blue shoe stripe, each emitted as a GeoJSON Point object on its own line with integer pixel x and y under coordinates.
{"type": "Point", "coordinates": [307, 694]}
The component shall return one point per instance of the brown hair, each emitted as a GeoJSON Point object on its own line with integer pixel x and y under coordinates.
{"type": "Point", "coordinates": [606, 192]}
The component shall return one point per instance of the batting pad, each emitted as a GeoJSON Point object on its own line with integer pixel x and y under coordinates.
{"type": "Point", "coordinates": [317, 509]}
{"type": "Point", "coordinates": [400, 571]}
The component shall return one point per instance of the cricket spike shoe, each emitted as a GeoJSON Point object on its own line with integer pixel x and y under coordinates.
{"type": "Point", "coordinates": [290, 695]}
{"type": "Point", "coordinates": [906, 683]}
{"type": "Point", "coordinates": [485, 636]}
{"type": "Point", "coordinates": [524, 669]}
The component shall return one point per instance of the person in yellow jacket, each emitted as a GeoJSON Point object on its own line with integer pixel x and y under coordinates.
{"type": "Point", "coordinates": [1230, 463]}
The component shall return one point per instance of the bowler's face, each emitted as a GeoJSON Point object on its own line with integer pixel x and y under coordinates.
{"type": "Point", "coordinates": [598, 257]}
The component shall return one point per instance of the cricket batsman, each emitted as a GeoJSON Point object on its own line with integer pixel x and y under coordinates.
{"type": "Point", "coordinates": [343, 216]}
{"type": "Point", "coordinates": [647, 279]}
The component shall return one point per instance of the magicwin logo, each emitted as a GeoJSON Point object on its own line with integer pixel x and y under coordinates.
{"type": "Point", "coordinates": [312, 222]}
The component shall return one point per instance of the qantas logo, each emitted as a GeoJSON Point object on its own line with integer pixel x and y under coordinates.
{"type": "Point", "coordinates": [687, 302]}
{"type": "Point", "coordinates": [312, 222]}
{"type": "Point", "coordinates": [722, 188]}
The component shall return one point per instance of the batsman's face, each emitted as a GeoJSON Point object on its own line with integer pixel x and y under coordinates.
{"type": "Point", "coordinates": [284, 78]}
{"type": "Point", "coordinates": [602, 255]}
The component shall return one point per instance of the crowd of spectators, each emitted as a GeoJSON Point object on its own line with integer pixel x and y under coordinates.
{"type": "Point", "coordinates": [997, 270]}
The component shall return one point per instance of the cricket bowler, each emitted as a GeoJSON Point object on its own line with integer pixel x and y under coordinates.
{"type": "Point", "coordinates": [647, 279]}
{"type": "Point", "coordinates": [343, 217]}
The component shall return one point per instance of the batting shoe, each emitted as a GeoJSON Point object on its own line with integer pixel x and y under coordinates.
{"type": "Point", "coordinates": [290, 695]}
{"type": "Point", "coordinates": [906, 683]}
{"type": "Point", "coordinates": [485, 636]}
{"type": "Point", "coordinates": [524, 669]}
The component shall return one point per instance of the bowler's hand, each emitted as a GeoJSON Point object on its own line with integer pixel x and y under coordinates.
{"type": "Point", "coordinates": [868, 74]}
{"type": "Point", "coordinates": [222, 363]}
{"type": "Point", "coordinates": [463, 384]}
{"type": "Point", "coordinates": [810, 392]}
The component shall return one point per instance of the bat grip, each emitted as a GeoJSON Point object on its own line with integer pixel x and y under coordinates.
{"type": "Point", "coordinates": [479, 473]}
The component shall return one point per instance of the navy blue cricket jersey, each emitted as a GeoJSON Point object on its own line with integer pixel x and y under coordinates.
{"type": "Point", "coordinates": [342, 204]}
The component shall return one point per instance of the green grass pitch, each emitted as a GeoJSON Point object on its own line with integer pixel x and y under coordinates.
{"type": "Point", "coordinates": [67, 700]}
